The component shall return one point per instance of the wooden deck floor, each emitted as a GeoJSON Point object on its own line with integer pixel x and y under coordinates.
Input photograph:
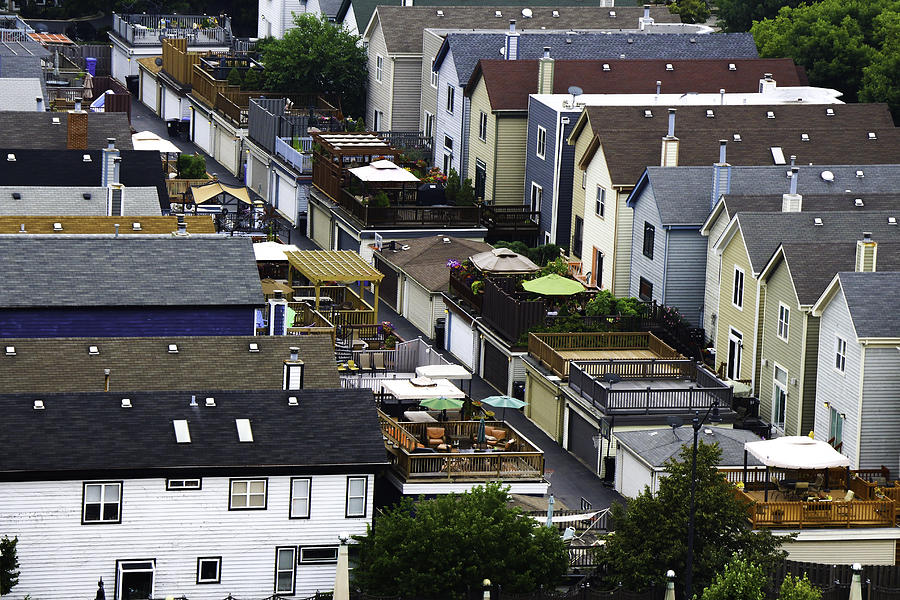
{"type": "Point", "coordinates": [623, 354]}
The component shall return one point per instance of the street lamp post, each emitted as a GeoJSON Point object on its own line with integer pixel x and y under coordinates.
{"type": "Point", "coordinates": [712, 413]}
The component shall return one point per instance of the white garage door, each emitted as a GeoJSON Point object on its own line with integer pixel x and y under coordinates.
{"type": "Point", "coordinates": [226, 150]}
{"type": "Point", "coordinates": [462, 340]}
{"type": "Point", "coordinates": [321, 227]}
{"type": "Point", "coordinates": [417, 307]}
{"type": "Point", "coordinates": [201, 130]}
{"type": "Point", "coordinates": [171, 104]}
{"type": "Point", "coordinates": [287, 198]}
{"type": "Point", "coordinates": [256, 175]}
{"type": "Point", "coordinates": [149, 91]}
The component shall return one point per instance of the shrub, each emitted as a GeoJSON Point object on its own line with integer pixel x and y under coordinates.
{"type": "Point", "coordinates": [234, 77]}
{"type": "Point", "coordinates": [380, 200]}
{"type": "Point", "coordinates": [191, 166]}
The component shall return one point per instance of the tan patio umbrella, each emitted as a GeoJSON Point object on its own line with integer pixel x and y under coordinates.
{"type": "Point", "coordinates": [503, 261]}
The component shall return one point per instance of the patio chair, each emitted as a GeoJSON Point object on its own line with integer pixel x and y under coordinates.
{"type": "Point", "coordinates": [848, 497]}
{"type": "Point", "coordinates": [352, 366]}
{"type": "Point", "coordinates": [378, 362]}
{"type": "Point", "coordinates": [435, 436]}
{"type": "Point", "coordinates": [495, 436]}
{"type": "Point", "coordinates": [816, 486]}
{"type": "Point", "coordinates": [365, 362]}
{"type": "Point", "coordinates": [783, 489]}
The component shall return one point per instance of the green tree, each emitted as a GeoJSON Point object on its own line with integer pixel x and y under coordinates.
{"type": "Point", "coordinates": [741, 580]}
{"type": "Point", "coordinates": [9, 565]}
{"type": "Point", "coordinates": [651, 536]}
{"type": "Point", "coordinates": [453, 187]}
{"type": "Point", "coordinates": [317, 56]}
{"type": "Point", "coordinates": [191, 166]}
{"type": "Point", "coordinates": [739, 15]}
{"type": "Point", "coordinates": [796, 588]}
{"type": "Point", "coordinates": [234, 77]}
{"type": "Point", "coordinates": [440, 548]}
{"type": "Point", "coordinates": [253, 80]}
{"type": "Point", "coordinates": [880, 81]}
{"type": "Point", "coordinates": [466, 195]}
{"type": "Point", "coordinates": [690, 11]}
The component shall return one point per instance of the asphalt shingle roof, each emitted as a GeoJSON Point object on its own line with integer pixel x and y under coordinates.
{"type": "Point", "coordinates": [872, 301]}
{"type": "Point", "coordinates": [631, 142]}
{"type": "Point", "coordinates": [19, 94]}
{"type": "Point", "coordinates": [92, 433]}
{"type": "Point", "coordinates": [403, 25]}
{"type": "Point", "coordinates": [58, 200]}
{"type": "Point", "coordinates": [53, 271]}
{"type": "Point", "coordinates": [103, 224]}
{"type": "Point", "coordinates": [656, 446]}
{"type": "Point", "coordinates": [36, 130]}
{"type": "Point", "coordinates": [426, 259]}
{"type": "Point", "coordinates": [145, 364]}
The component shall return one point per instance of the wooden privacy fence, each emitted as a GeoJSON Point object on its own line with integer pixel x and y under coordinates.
{"type": "Point", "coordinates": [508, 314]}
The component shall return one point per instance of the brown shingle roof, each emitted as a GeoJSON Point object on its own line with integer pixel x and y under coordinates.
{"type": "Point", "coordinates": [149, 63]}
{"type": "Point", "coordinates": [631, 141]}
{"type": "Point", "coordinates": [426, 259]}
{"type": "Point", "coordinates": [43, 366]}
{"type": "Point", "coordinates": [403, 25]}
{"type": "Point", "coordinates": [510, 82]}
{"type": "Point", "coordinates": [105, 225]}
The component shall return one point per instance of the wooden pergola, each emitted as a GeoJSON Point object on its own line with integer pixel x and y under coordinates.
{"type": "Point", "coordinates": [339, 266]}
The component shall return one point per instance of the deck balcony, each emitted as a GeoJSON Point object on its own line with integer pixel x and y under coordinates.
{"type": "Point", "coordinates": [147, 30]}
{"type": "Point", "coordinates": [297, 152]}
{"type": "Point", "coordinates": [411, 460]}
{"type": "Point", "coordinates": [340, 305]}
{"type": "Point", "coordinates": [557, 350]}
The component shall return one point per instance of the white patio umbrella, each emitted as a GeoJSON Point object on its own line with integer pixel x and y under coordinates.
{"type": "Point", "coordinates": [503, 260]}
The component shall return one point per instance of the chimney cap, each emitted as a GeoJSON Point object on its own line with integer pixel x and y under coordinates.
{"type": "Point", "coordinates": [867, 235]}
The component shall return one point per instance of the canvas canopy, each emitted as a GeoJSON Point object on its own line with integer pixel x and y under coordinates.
{"type": "Point", "coordinates": [403, 389]}
{"type": "Point", "coordinates": [206, 192]}
{"type": "Point", "coordinates": [147, 140]}
{"type": "Point", "coordinates": [444, 371]}
{"type": "Point", "coordinates": [272, 251]}
{"type": "Point", "coordinates": [796, 452]}
{"type": "Point", "coordinates": [503, 260]}
{"type": "Point", "coordinates": [384, 171]}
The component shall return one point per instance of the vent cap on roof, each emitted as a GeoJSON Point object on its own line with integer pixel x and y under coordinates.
{"type": "Point", "coordinates": [860, 174]}
{"type": "Point", "coordinates": [10, 350]}
{"type": "Point", "coordinates": [527, 13]}
{"type": "Point", "coordinates": [829, 112]}
{"type": "Point", "coordinates": [648, 113]}
{"type": "Point", "coordinates": [770, 114]}
{"type": "Point", "coordinates": [86, 195]}
{"type": "Point", "coordinates": [606, 66]}
{"type": "Point", "coordinates": [136, 226]}
{"type": "Point", "coordinates": [173, 349]}
{"type": "Point", "coordinates": [440, 13]}
{"type": "Point", "coordinates": [859, 202]}
{"type": "Point", "coordinates": [16, 196]}
{"type": "Point", "coordinates": [892, 220]}
{"type": "Point", "coordinates": [93, 350]}
{"type": "Point", "coordinates": [732, 67]}
{"type": "Point", "coordinates": [254, 347]}
{"type": "Point", "coordinates": [710, 114]}
{"type": "Point", "coordinates": [38, 405]}
{"type": "Point", "coordinates": [210, 401]}
{"type": "Point", "coordinates": [292, 401]}
{"type": "Point", "coordinates": [555, 14]}
{"type": "Point", "coordinates": [827, 175]}
{"type": "Point", "coordinates": [736, 137]}
{"type": "Point", "coordinates": [245, 433]}
{"type": "Point", "coordinates": [55, 120]}
{"type": "Point", "coordinates": [126, 402]}
{"type": "Point", "coordinates": [85, 158]}
{"type": "Point", "coordinates": [497, 13]}
{"type": "Point", "coordinates": [11, 157]}
{"type": "Point", "coordinates": [612, 14]}
{"type": "Point", "coordinates": [669, 67]}
{"type": "Point", "coordinates": [57, 226]}
{"type": "Point", "coordinates": [872, 135]}
{"type": "Point", "coordinates": [817, 222]}
{"type": "Point", "coordinates": [182, 433]}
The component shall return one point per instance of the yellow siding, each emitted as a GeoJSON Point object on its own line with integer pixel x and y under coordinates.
{"type": "Point", "coordinates": [842, 552]}
{"type": "Point", "coordinates": [543, 404]}
{"type": "Point", "coordinates": [735, 254]}
{"type": "Point", "coordinates": [509, 164]}
{"type": "Point", "coordinates": [478, 149]}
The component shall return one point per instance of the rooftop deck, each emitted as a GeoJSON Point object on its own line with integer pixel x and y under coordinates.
{"type": "Point", "coordinates": [557, 350]}
{"type": "Point", "coordinates": [146, 30]}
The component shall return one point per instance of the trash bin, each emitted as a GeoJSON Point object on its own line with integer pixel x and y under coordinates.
{"type": "Point", "coordinates": [609, 469]}
{"type": "Point", "coordinates": [440, 329]}
{"type": "Point", "coordinates": [133, 84]}
{"type": "Point", "coordinates": [90, 65]}
{"type": "Point", "coordinates": [519, 390]}
{"type": "Point", "coordinates": [172, 127]}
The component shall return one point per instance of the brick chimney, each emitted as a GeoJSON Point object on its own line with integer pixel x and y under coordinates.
{"type": "Point", "coordinates": [669, 155]}
{"type": "Point", "coordinates": [77, 133]}
{"type": "Point", "coordinates": [866, 252]}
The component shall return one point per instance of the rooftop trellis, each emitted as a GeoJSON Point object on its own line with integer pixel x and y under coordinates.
{"type": "Point", "coordinates": [354, 144]}
{"type": "Point", "coordinates": [340, 266]}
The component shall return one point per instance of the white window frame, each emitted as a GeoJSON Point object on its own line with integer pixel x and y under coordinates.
{"type": "Point", "coordinates": [482, 126]}
{"type": "Point", "coordinates": [379, 68]}
{"type": "Point", "coordinates": [451, 98]}
{"type": "Point", "coordinates": [378, 125]}
{"type": "Point", "coordinates": [300, 514]}
{"type": "Point", "coordinates": [215, 559]}
{"type": "Point", "coordinates": [434, 77]}
{"type": "Point", "coordinates": [183, 485]}
{"type": "Point", "coordinates": [429, 124]}
{"type": "Point", "coordinates": [836, 421]}
{"type": "Point", "coordinates": [737, 292]}
{"type": "Point", "coordinates": [840, 355]}
{"type": "Point", "coordinates": [784, 321]}
{"type": "Point", "coordinates": [103, 485]}
{"type": "Point", "coordinates": [307, 561]}
{"type": "Point", "coordinates": [365, 483]}
{"type": "Point", "coordinates": [600, 203]}
{"type": "Point", "coordinates": [247, 494]}
{"type": "Point", "coordinates": [279, 570]}
{"type": "Point", "coordinates": [537, 196]}
{"type": "Point", "coordinates": [779, 386]}
{"type": "Point", "coordinates": [541, 145]}
{"type": "Point", "coordinates": [584, 180]}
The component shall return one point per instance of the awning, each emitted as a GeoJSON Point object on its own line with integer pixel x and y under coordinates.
{"type": "Point", "coordinates": [443, 372]}
{"type": "Point", "coordinates": [147, 140]}
{"type": "Point", "coordinates": [796, 452]}
{"type": "Point", "coordinates": [384, 171]}
{"type": "Point", "coordinates": [206, 192]}
{"type": "Point", "coordinates": [272, 251]}
{"type": "Point", "coordinates": [403, 389]}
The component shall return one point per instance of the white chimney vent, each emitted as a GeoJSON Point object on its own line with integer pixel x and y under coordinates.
{"type": "Point", "coordinates": [440, 13]}
{"type": "Point", "coordinates": [612, 14]}
{"type": "Point", "coordinates": [770, 114]}
{"type": "Point", "coordinates": [606, 66]}
{"type": "Point", "coordinates": [829, 112]}
{"type": "Point", "coordinates": [732, 67]}
{"type": "Point", "coordinates": [892, 220]}
{"type": "Point", "coordinates": [10, 350]}
{"type": "Point", "coordinates": [648, 114]}
{"type": "Point", "coordinates": [254, 347]}
{"type": "Point", "coordinates": [136, 226]}
{"type": "Point", "coordinates": [860, 175]}
{"type": "Point", "coordinates": [11, 157]}
{"type": "Point", "coordinates": [93, 350]}
{"type": "Point", "coordinates": [859, 202]}
{"type": "Point", "coordinates": [872, 135]}
{"type": "Point", "coordinates": [210, 401]}
{"type": "Point", "coordinates": [710, 114]}
{"type": "Point", "coordinates": [126, 402]}
{"type": "Point", "coordinates": [38, 405]}
{"type": "Point", "coordinates": [817, 222]}
{"type": "Point", "coordinates": [804, 137]}
{"type": "Point", "coordinates": [292, 401]}
{"type": "Point", "coordinates": [527, 13]}
{"type": "Point", "coordinates": [497, 13]}
{"type": "Point", "coordinates": [57, 226]}
{"type": "Point", "coordinates": [86, 158]}
{"type": "Point", "coordinates": [669, 67]}
{"type": "Point", "coordinates": [55, 120]}
{"type": "Point", "coordinates": [173, 348]}
{"type": "Point", "coordinates": [736, 137]}
{"type": "Point", "coordinates": [555, 14]}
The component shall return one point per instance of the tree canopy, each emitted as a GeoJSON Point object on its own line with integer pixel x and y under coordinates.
{"type": "Point", "coordinates": [850, 46]}
{"type": "Point", "coordinates": [739, 15]}
{"type": "Point", "coordinates": [9, 565]}
{"type": "Point", "coordinates": [651, 536]}
{"type": "Point", "coordinates": [690, 11]}
{"type": "Point", "coordinates": [440, 548]}
{"type": "Point", "coordinates": [317, 56]}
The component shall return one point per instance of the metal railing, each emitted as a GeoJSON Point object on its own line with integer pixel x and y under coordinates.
{"type": "Point", "coordinates": [299, 160]}
{"type": "Point", "coordinates": [148, 30]}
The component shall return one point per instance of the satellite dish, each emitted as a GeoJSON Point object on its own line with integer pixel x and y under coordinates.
{"type": "Point", "coordinates": [158, 61]}
{"type": "Point", "coordinates": [673, 421]}
{"type": "Point", "coordinates": [527, 13]}
{"type": "Point", "coordinates": [575, 90]}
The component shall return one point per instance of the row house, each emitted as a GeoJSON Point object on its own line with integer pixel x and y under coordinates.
{"type": "Point", "coordinates": [614, 145]}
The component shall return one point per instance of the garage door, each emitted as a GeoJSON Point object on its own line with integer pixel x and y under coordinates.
{"type": "Point", "coordinates": [225, 152]}
{"type": "Point", "coordinates": [258, 173]}
{"type": "Point", "coordinates": [387, 291]}
{"type": "Point", "coordinates": [417, 307]}
{"type": "Point", "coordinates": [462, 339]}
{"type": "Point", "coordinates": [287, 197]}
{"type": "Point", "coordinates": [171, 104]}
{"type": "Point", "coordinates": [496, 367]}
{"type": "Point", "coordinates": [149, 91]}
{"type": "Point", "coordinates": [201, 131]}
{"type": "Point", "coordinates": [542, 405]}
{"type": "Point", "coordinates": [581, 440]}
{"type": "Point", "coordinates": [320, 227]}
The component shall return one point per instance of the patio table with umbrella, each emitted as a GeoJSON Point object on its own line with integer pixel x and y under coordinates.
{"type": "Point", "coordinates": [442, 404]}
{"type": "Point", "coordinates": [553, 285]}
{"type": "Point", "coordinates": [504, 402]}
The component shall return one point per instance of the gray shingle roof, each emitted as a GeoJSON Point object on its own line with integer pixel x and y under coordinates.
{"type": "Point", "coordinates": [145, 363]}
{"type": "Point", "coordinates": [656, 446]}
{"type": "Point", "coordinates": [19, 94]}
{"type": "Point", "coordinates": [813, 266]}
{"type": "Point", "coordinates": [25, 130]}
{"type": "Point", "coordinates": [426, 259]}
{"type": "Point", "coordinates": [872, 301]}
{"type": "Point", "coordinates": [92, 433]}
{"type": "Point", "coordinates": [763, 232]}
{"type": "Point", "coordinates": [127, 271]}
{"type": "Point", "coordinates": [403, 25]}
{"type": "Point", "coordinates": [58, 201]}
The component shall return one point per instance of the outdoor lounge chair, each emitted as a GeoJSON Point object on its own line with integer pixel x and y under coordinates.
{"type": "Point", "coordinates": [365, 362]}
{"type": "Point", "coordinates": [435, 436]}
{"type": "Point", "coordinates": [378, 362]}
{"type": "Point", "coordinates": [816, 486]}
{"type": "Point", "coordinates": [353, 368]}
{"type": "Point", "coordinates": [848, 497]}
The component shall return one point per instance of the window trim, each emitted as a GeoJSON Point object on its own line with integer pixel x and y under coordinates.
{"type": "Point", "coordinates": [218, 579]}
{"type": "Point", "coordinates": [482, 126]}
{"type": "Point", "coordinates": [293, 591]}
{"type": "Point", "coordinates": [429, 124]}
{"type": "Point", "coordinates": [434, 76]}
{"type": "Point", "coordinates": [734, 288]}
{"type": "Point", "coordinates": [577, 240]}
{"type": "Point", "coordinates": [641, 296]}
{"type": "Point", "coordinates": [776, 386]}
{"type": "Point", "coordinates": [319, 561]}
{"type": "Point", "coordinates": [379, 68]}
{"type": "Point", "coordinates": [838, 343]}
{"type": "Point", "coordinates": [836, 416]}
{"type": "Point", "coordinates": [231, 483]}
{"type": "Point", "coordinates": [584, 179]}
{"type": "Point", "coordinates": [308, 498]}
{"type": "Point", "coordinates": [538, 192]}
{"type": "Point", "coordinates": [169, 487]}
{"type": "Point", "coordinates": [783, 324]}
{"type": "Point", "coordinates": [648, 226]}
{"type": "Point", "coordinates": [450, 105]}
{"type": "Point", "coordinates": [600, 202]}
{"type": "Point", "coordinates": [120, 564]}
{"type": "Point", "coordinates": [365, 496]}
{"type": "Point", "coordinates": [100, 521]}
{"type": "Point", "coordinates": [541, 143]}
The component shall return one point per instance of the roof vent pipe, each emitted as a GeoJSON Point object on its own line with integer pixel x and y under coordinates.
{"type": "Point", "coordinates": [78, 104]}
{"type": "Point", "coordinates": [646, 11]}
{"type": "Point", "coordinates": [512, 25]}
{"type": "Point", "coordinates": [40, 104]}
{"type": "Point", "coordinates": [658, 87]}
{"type": "Point", "coordinates": [722, 96]}
{"type": "Point", "coordinates": [295, 352]}
{"type": "Point", "coordinates": [671, 132]}
{"type": "Point", "coordinates": [110, 143]}
{"type": "Point", "coordinates": [794, 177]}
{"type": "Point", "coordinates": [793, 159]}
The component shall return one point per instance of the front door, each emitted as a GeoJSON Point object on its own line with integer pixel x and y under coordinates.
{"type": "Point", "coordinates": [136, 580]}
{"type": "Point", "coordinates": [735, 346]}
{"type": "Point", "coordinates": [597, 269]}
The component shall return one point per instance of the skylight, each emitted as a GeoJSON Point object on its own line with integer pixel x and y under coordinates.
{"type": "Point", "coordinates": [182, 433]}
{"type": "Point", "coordinates": [778, 155]}
{"type": "Point", "coordinates": [245, 434]}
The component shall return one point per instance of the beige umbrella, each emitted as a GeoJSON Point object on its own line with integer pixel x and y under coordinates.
{"type": "Point", "coordinates": [88, 87]}
{"type": "Point", "coordinates": [503, 260]}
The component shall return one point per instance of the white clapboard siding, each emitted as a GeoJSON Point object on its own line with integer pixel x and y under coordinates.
{"type": "Point", "coordinates": [61, 558]}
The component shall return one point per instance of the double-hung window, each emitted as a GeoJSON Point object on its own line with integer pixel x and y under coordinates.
{"type": "Point", "coordinates": [600, 208]}
{"type": "Point", "coordinates": [537, 196]}
{"type": "Point", "coordinates": [102, 503]}
{"type": "Point", "coordinates": [285, 569]}
{"type": "Point", "coordinates": [482, 126]}
{"type": "Point", "coordinates": [784, 320]}
{"type": "Point", "coordinates": [737, 291]}
{"type": "Point", "coordinates": [356, 496]}
{"type": "Point", "coordinates": [649, 239]}
{"type": "Point", "coordinates": [248, 494]}
{"type": "Point", "coordinates": [541, 142]}
{"type": "Point", "coordinates": [379, 68]}
{"type": "Point", "coordinates": [451, 98]}
{"type": "Point", "coordinates": [434, 77]}
{"type": "Point", "coordinates": [840, 354]}
{"type": "Point", "coordinates": [300, 488]}
{"type": "Point", "coordinates": [645, 290]}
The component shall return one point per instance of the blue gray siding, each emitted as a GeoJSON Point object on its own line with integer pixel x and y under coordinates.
{"type": "Point", "coordinates": [566, 176]}
{"type": "Point", "coordinates": [127, 321]}
{"type": "Point", "coordinates": [685, 272]}
{"type": "Point", "coordinates": [540, 170]}
{"type": "Point", "coordinates": [879, 443]}
{"type": "Point", "coordinates": [641, 266]}
{"type": "Point", "coordinates": [446, 123]}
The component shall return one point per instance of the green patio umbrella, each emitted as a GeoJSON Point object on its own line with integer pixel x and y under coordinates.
{"type": "Point", "coordinates": [480, 436]}
{"type": "Point", "coordinates": [553, 285]}
{"type": "Point", "coordinates": [441, 403]}
{"type": "Point", "coordinates": [504, 402]}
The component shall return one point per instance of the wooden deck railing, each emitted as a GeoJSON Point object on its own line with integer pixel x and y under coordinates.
{"type": "Point", "coordinates": [545, 346]}
{"type": "Point", "coordinates": [178, 188]}
{"type": "Point", "coordinates": [345, 308]}
{"type": "Point", "coordinates": [835, 513]}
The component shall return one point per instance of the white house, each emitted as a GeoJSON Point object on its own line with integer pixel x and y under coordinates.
{"type": "Point", "coordinates": [169, 494]}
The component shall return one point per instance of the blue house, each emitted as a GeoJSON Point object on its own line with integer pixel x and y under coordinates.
{"type": "Point", "coordinates": [127, 287]}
